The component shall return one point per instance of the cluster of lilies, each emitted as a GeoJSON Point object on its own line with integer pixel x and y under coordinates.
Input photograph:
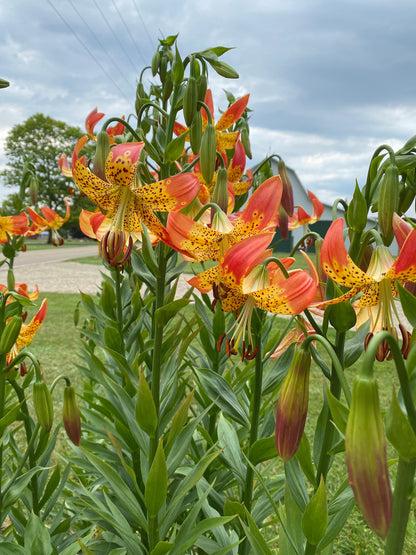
{"type": "Point", "coordinates": [246, 275]}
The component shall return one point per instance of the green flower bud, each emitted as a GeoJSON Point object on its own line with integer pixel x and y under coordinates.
{"type": "Point", "coordinates": [101, 153]}
{"type": "Point", "coordinates": [202, 87]}
{"type": "Point", "coordinates": [10, 334]}
{"type": "Point", "coordinates": [71, 415]}
{"type": "Point", "coordinates": [292, 407]}
{"type": "Point", "coordinates": [11, 283]}
{"type": "Point", "coordinates": [190, 99]}
{"type": "Point", "coordinates": [155, 62]}
{"type": "Point", "coordinates": [220, 193]}
{"type": "Point", "coordinates": [208, 153]}
{"type": "Point", "coordinates": [342, 316]}
{"type": "Point", "coordinates": [195, 132]}
{"type": "Point", "coordinates": [357, 211]}
{"type": "Point", "coordinates": [388, 201]}
{"type": "Point", "coordinates": [42, 402]}
{"type": "Point", "coordinates": [4, 83]}
{"type": "Point", "coordinates": [365, 450]}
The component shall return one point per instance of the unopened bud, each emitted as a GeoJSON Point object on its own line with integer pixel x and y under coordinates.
{"type": "Point", "coordinates": [101, 153]}
{"type": "Point", "coordinates": [220, 193]}
{"type": "Point", "coordinates": [190, 99]}
{"type": "Point", "coordinates": [71, 415]}
{"type": "Point", "coordinates": [10, 334]}
{"type": "Point", "coordinates": [287, 193]}
{"type": "Point", "coordinates": [388, 200]}
{"type": "Point", "coordinates": [292, 407]}
{"type": "Point", "coordinates": [208, 153]}
{"type": "Point", "coordinates": [365, 449]}
{"type": "Point", "coordinates": [42, 402]}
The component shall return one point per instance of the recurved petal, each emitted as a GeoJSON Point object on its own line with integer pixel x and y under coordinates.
{"type": "Point", "coordinates": [226, 141]}
{"type": "Point", "coordinates": [103, 194]}
{"type": "Point", "coordinates": [242, 257]}
{"type": "Point", "coordinates": [197, 240]}
{"type": "Point", "coordinates": [404, 268]}
{"type": "Point", "coordinates": [172, 193]}
{"type": "Point", "coordinates": [205, 280]}
{"type": "Point", "coordinates": [28, 331]}
{"type": "Point", "coordinates": [401, 229]}
{"type": "Point", "coordinates": [261, 209]}
{"type": "Point", "coordinates": [336, 262]}
{"type": "Point", "coordinates": [290, 296]}
{"type": "Point", "coordinates": [233, 113]}
{"type": "Point", "coordinates": [121, 163]}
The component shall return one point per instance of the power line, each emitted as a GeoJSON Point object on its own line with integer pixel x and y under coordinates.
{"type": "Point", "coordinates": [101, 45]}
{"type": "Point", "coordinates": [128, 31]}
{"type": "Point", "coordinates": [144, 25]}
{"type": "Point", "coordinates": [115, 36]}
{"type": "Point", "coordinates": [87, 49]}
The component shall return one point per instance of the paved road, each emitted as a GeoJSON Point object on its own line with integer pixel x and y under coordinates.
{"type": "Point", "coordinates": [47, 269]}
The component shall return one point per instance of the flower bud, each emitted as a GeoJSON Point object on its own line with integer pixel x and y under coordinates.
{"type": "Point", "coordinates": [388, 200]}
{"type": "Point", "coordinates": [220, 193]}
{"type": "Point", "coordinates": [101, 153]}
{"type": "Point", "coordinates": [190, 99]}
{"type": "Point", "coordinates": [357, 211]}
{"type": "Point", "coordinates": [195, 132]}
{"type": "Point", "coordinates": [292, 407]}
{"type": "Point", "coordinates": [4, 83]}
{"type": "Point", "coordinates": [208, 153]}
{"type": "Point", "coordinates": [155, 62]}
{"type": "Point", "coordinates": [10, 334]}
{"type": "Point", "coordinates": [202, 87]}
{"type": "Point", "coordinates": [287, 193]}
{"type": "Point", "coordinates": [42, 402]}
{"type": "Point", "coordinates": [71, 415]}
{"type": "Point", "coordinates": [365, 449]}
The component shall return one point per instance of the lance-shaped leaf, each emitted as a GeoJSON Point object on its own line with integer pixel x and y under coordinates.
{"type": "Point", "coordinates": [157, 482]}
{"type": "Point", "coordinates": [315, 517]}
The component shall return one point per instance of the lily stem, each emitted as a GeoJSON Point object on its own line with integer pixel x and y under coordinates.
{"type": "Point", "coordinates": [255, 417]}
{"type": "Point", "coordinates": [119, 304]}
{"type": "Point", "coordinates": [401, 507]}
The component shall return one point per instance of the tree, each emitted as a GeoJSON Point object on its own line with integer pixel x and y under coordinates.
{"type": "Point", "coordinates": [41, 140]}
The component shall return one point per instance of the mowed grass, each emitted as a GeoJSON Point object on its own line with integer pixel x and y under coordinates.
{"type": "Point", "coordinates": [57, 345]}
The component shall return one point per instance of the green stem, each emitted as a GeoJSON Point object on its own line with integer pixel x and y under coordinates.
{"type": "Point", "coordinates": [2, 407]}
{"type": "Point", "coordinates": [401, 507]}
{"type": "Point", "coordinates": [255, 418]}
{"type": "Point", "coordinates": [119, 304]}
{"type": "Point", "coordinates": [158, 329]}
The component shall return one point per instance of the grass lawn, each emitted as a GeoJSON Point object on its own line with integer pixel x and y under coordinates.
{"type": "Point", "coordinates": [57, 343]}
{"type": "Point", "coordinates": [40, 244]}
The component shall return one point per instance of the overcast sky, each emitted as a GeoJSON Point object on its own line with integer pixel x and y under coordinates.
{"type": "Point", "coordinates": [329, 80]}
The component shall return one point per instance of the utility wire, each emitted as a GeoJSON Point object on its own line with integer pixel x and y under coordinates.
{"type": "Point", "coordinates": [144, 25]}
{"type": "Point", "coordinates": [128, 31]}
{"type": "Point", "coordinates": [116, 37]}
{"type": "Point", "coordinates": [101, 45]}
{"type": "Point", "coordinates": [88, 50]}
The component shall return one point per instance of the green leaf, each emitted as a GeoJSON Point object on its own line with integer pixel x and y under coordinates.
{"type": "Point", "coordinates": [113, 339]}
{"type": "Point", "coordinates": [408, 302]}
{"type": "Point", "coordinates": [354, 347]}
{"type": "Point", "coordinates": [339, 412]}
{"type": "Point", "coordinates": [13, 490]}
{"type": "Point", "coordinates": [174, 149]}
{"type": "Point", "coordinates": [304, 457]}
{"type": "Point", "coordinates": [124, 494]}
{"type": "Point", "coordinates": [161, 548]}
{"type": "Point", "coordinates": [12, 548]}
{"type": "Point", "coordinates": [229, 442]}
{"type": "Point", "coordinates": [145, 410]}
{"type": "Point", "coordinates": [223, 69]}
{"type": "Point", "coordinates": [338, 512]}
{"type": "Point", "coordinates": [254, 536]}
{"type": "Point", "coordinates": [148, 253]}
{"type": "Point", "coordinates": [157, 482]}
{"type": "Point", "coordinates": [165, 313]}
{"type": "Point", "coordinates": [399, 432]}
{"type": "Point", "coordinates": [315, 517]}
{"type": "Point", "coordinates": [262, 450]}
{"type": "Point", "coordinates": [36, 539]}
{"type": "Point", "coordinates": [296, 483]}
{"type": "Point", "coordinates": [220, 391]}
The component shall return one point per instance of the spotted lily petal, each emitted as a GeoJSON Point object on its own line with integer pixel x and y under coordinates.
{"type": "Point", "coordinates": [232, 114]}
{"type": "Point", "coordinates": [13, 225]}
{"type": "Point", "coordinates": [91, 121]}
{"type": "Point", "coordinates": [173, 193]}
{"type": "Point", "coordinates": [301, 217]}
{"type": "Point", "coordinates": [404, 268]}
{"type": "Point", "coordinates": [335, 260]}
{"type": "Point", "coordinates": [28, 332]}
{"type": "Point", "coordinates": [196, 240]}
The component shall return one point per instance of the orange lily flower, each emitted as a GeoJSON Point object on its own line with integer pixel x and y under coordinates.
{"type": "Point", "coordinates": [202, 243]}
{"type": "Point", "coordinates": [125, 200]}
{"type": "Point", "coordinates": [13, 225]}
{"type": "Point", "coordinates": [377, 285]}
{"type": "Point", "coordinates": [93, 118]}
{"type": "Point", "coordinates": [50, 220]}
{"type": "Point", "coordinates": [301, 217]}
{"type": "Point", "coordinates": [241, 282]}
{"type": "Point", "coordinates": [27, 333]}
{"type": "Point", "coordinates": [21, 289]}
{"type": "Point", "coordinates": [225, 141]}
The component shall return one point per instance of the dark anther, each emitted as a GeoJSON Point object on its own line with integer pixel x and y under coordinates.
{"type": "Point", "coordinates": [219, 342]}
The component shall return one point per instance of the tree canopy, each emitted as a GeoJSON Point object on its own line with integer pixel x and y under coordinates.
{"type": "Point", "coordinates": [40, 140]}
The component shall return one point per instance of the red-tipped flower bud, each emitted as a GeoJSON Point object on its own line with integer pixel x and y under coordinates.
{"type": "Point", "coordinates": [287, 194]}
{"type": "Point", "coordinates": [365, 449]}
{"type": "Point", "coordinates": [71, 415]}
{"type": "Point", "coordinates": [292, 407]}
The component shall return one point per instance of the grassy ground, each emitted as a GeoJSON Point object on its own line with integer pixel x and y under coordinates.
{"type": "Point", "coordinates": [41, 244]}
{"type": "Point", "coordinates": [56, 346]}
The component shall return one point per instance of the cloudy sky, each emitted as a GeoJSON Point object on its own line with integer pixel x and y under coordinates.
{"type": "Point", "coordinates": [329, 80]}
